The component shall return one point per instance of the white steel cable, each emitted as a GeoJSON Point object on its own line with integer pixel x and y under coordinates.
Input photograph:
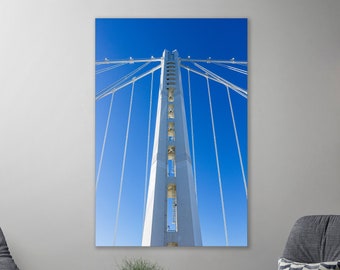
{"type": "Point", "coordinates": [99, 71]}
{"type": "Point", "coordinates": [218, 166]}
{"type": "Point", "coordinates": [219, 80]}
{"type": "Point", "coordinates": [123, 167]}
{"type": "Point", "coordinates": [128, 61]}
{"type": "Point", "coordinates": [148, 148]}
{"type": "Point", "coordinates": [237, 143]}
{"type": "Point", "coordinates": [192, 134]}
{"type": "Point", "coordinates": [239, 70]}
{"type": "Point", "coordinates": [122, 85]}
{"type": "Point", "coordinates": [230, 62]}
{"type": "Point", "coordinates": [231, 85]}
{"type": "Point", "coordinates": [104, 141]}
{"type": "Point", "coordinates": [122, 79]}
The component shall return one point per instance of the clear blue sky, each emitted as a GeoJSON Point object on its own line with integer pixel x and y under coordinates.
{"type": "Point", "coordinates": [200, 38]}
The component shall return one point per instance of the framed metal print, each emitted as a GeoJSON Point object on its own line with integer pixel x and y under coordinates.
{"type": "Point", "coordinates": [171, 132]}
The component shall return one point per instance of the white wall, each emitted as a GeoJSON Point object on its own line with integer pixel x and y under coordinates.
{"type": "Point", "coordinates": [47, 127]}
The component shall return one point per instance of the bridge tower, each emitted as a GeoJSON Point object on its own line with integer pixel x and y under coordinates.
{"type": "Point", "coordinates": [171, 216]}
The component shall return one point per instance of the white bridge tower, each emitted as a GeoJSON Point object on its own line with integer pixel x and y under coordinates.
{"type": "Point", "coordinates": [171, 217]}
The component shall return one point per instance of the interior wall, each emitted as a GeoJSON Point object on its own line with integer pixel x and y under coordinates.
{"type": "Point", "coordinates": [47, 124]}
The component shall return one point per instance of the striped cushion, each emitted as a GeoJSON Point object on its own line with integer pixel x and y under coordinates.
{"type": "Point", "coordinates": [285, 264]}
{"type": "Point", "coordinates": [6, 261]}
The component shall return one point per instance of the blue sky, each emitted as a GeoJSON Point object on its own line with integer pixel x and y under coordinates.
{"type": "Point", "coordinates": [198, 38]}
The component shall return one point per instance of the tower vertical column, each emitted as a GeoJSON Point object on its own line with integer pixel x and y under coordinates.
{"type": "Point", "coordinates": [171, 217]}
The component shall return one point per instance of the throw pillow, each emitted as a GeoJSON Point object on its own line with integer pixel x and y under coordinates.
{"type": "Point", "coordinates": [6, 261]}
{"type": "Point", "coordinates": [285, 264]}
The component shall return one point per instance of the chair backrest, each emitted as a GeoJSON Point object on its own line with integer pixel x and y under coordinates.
{"type": "Point", "coordinates": [314, 239]}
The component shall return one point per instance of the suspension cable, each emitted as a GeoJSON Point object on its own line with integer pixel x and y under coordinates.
{"type": "Point", "coordinates": [104, 141]}
{"type": "Point", "coordinates": [239, 70]}
{"type": "Point", "coordinates": [192, 134]}
{"type": "Point", "coordinates": [123, 166]}
{"type": "Point", "coordinates": [237, 143]}
{"type": "Point", "coordinates": [218, 165]}
{"type": "Point", "coordinates": [148, 147]}
{"type": "Point", "coordinates": [124, 84]}
{"type": "Point", "coordinates": [99, 71]}
{"type": "Point", "coordinates": [122, 79]}
{"type": "Point", "coordinates": [220, 80]}
{"type": "Point", "coordinates": [231, 85]}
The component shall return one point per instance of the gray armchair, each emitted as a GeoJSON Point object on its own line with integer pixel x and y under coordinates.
{"type": "Point", "coordinates": [313, 243]}
{"type": "Point", "coordinates": [6, 260]}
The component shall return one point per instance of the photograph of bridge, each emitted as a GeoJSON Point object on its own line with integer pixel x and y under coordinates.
{"type": "Point", "coordinates": [171, 99]}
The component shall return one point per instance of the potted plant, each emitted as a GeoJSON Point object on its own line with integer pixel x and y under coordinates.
{"type": "Point", "coordinates": [138, 264]}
